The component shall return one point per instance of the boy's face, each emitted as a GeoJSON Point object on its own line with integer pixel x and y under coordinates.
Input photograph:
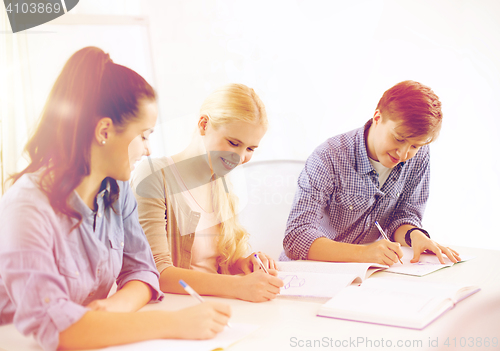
{"type": "Point", "coordinates": [386, 142]}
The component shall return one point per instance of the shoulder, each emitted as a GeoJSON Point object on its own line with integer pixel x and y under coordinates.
{"type": "Point", "coordinates": [336, 150]}
{"type": "Point", "coordinates": [147, 178]}
{"type": "Point", "coordinates": [26, 214]}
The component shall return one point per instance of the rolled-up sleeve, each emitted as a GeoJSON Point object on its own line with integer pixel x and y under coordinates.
{"type": "Point", "coordinates": [31, 278]}
{"type": "Point", "coordinates": [411, 205]}
{"type": "Point", "coordinates": [138, 262]}
{"type": "Point", "coordinates": [314, 189]}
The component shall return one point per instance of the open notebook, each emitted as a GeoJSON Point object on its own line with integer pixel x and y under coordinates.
{"type": "Point", "coordinates": [428, 263]}
{"type": "Point", "coordinates": [223, 340]}
{"type": "Point", "coordinates": [322, 279]}
{"type": "Point", "coordinates": [399, 303]}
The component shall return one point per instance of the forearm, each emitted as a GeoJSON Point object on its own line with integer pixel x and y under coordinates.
{"type": "Point", "coordinates": [98, 329]}
{"type": "Point", "coordinates": [203, 283]}
{"type": "Point", "coordinates": [323, 249]}
{"type": "Point", "coordinates": [134, 295]}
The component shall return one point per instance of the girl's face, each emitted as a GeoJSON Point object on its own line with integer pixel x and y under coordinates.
{"type": "Point", "coordinates": [231, 144]}
{"type": "Point", "coordinates": [128, 146]}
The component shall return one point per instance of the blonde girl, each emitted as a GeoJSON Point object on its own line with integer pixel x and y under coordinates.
{"type": "Point", "coordinates": [188, 210]}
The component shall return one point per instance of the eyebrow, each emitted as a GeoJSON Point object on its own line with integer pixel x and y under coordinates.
{"type": "Point", "coordinates": [239, 141]}
{"type": "Point", "coordinates": [150, 129]}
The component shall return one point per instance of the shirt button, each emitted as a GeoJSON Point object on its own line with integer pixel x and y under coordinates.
{"type": "Point", "coordinates": [122, 244]}
{"type": "Point", "coordinates": [77, 273]}
{"type": "Point", "coordinates": [350, 207]}
{"type": "Point", "coordinates": [397, 194]}
{"type": "Point", "coordinates": [98, 271]}
{"type": "Point", "coordinates": [47, 300]}
{"type": "Point", "coordinates": [99, 215]}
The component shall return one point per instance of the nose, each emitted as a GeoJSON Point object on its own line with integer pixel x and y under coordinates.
{"type": "Point", "coordinates": [147, 148]}
{"type": "Point", "coordinates": [403, 152]}
{"type": "Point", "coordinates": [245, 156]}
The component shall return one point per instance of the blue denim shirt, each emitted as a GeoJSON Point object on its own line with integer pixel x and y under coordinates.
{"type": "Point", "coordinates": [338, 196]}
{"type": "Point", "coordinates": [48, 272]}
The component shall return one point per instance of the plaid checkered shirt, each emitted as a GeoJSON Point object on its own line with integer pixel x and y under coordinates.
{"type": "Point", "coordinates": [338, 195]}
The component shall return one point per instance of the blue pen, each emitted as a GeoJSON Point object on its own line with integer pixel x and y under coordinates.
{"type": "Point", "coordinates": [194, 294]}
{"type": "Point", "coordinates": [191, 291]}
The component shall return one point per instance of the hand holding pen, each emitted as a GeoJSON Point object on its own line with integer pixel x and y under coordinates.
{"type": "Point", "coordinates": [194, 294]}
{"type": "Point", "coordinates": [384, 235]}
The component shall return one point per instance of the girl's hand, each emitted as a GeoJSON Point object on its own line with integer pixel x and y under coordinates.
{"type": "Point", "coordinates": [201, 321]}
{"type": "Point", "coordinates": [258, 286]}
{"type": "Point", "coordinates": [250, 264]}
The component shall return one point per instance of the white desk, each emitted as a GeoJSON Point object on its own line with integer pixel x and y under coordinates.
{"type": "Point", "coordinates": [286, 318]}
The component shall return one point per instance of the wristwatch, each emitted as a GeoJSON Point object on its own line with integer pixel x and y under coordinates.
{"type": "Point", "coordinates": [408, 238]}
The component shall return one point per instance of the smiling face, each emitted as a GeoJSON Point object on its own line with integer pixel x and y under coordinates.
{"type": "Point", "coordinates": [128, 146]}
{"type": "Point", "coordinates": [230, 144]}
{"type": "Point", "coordinates": [386, 141]}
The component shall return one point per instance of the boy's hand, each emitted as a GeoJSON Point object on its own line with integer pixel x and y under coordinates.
{"type": "Point", "coordinates": [383, 252]}
{"type": "Point", "coordinates": [420, 242]}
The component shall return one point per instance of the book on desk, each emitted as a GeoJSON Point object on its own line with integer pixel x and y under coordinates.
{"type": "Point", "coordinates": [395, 302]}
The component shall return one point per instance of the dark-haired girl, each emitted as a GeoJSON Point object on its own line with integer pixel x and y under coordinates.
{"type": "Point", "coordinates": [69, 225]}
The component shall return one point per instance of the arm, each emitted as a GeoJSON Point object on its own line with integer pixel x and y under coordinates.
{"type": "Point", "coordinates": [255, 287]}
{"type": "Point", "coordinates": [315, 186]}
{"type": "Point", "coordinates": [381, 251]}
{"type": "Point", "coordinates": [130, 298]}
{"type": "Point", "coordinates": [97, 329]}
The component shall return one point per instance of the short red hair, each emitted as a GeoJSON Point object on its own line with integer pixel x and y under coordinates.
{"type": "Point", "coordinates": [416, 106]}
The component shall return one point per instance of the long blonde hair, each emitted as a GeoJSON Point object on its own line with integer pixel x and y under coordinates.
{"type": "Point", "coordinates": [231, 103]}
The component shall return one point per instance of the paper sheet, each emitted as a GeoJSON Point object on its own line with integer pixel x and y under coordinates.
{"type": "Point", "coordinates": [223, 340]}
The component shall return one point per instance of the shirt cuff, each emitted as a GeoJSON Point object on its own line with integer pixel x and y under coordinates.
{"type": "Point", "coordinates": [149, 278]}
{"type": "Point", "coordinates": [298, 246]}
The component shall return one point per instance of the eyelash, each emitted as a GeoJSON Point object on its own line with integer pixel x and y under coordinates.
{"type": "Point", "coordinates": [400, 141]}
{"type": "Point", "coordinates": [236, 145]}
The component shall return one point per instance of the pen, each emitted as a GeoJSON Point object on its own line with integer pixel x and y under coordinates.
{"type": "Point", "coordinates": [260, 263]}
{"type": "Point", "coordinates": [386, 238]}
{"type": "Point", "coordinates": [194, 294]}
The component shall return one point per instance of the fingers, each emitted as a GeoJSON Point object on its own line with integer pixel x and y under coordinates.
{"type": "Point", "coordinates": [222, 308]}
{"type": "Point", "coordinates": [450, 253]}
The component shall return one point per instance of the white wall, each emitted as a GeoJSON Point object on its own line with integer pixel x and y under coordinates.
{"type": "Point", "coordinates": [321, 67]}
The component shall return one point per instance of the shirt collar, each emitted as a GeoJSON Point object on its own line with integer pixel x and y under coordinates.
{"type": "Point", "coordinates": [77, 203]}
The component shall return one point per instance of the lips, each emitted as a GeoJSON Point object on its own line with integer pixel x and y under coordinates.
{"type": "Point", "coordinates": [393, 159]}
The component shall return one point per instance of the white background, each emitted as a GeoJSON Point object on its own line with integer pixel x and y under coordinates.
{"type": "Point", "coordinates": [320, 67]}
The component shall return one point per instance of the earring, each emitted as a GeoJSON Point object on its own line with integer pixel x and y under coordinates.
{"type": "Point", "coordinates": [103, 142]}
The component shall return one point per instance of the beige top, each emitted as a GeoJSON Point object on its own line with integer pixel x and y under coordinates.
{"type": "Point", "coordinates": [179, 232]}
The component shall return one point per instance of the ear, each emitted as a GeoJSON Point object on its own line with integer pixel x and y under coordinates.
{"type": "Point", "coordinates": [102, 130]}
{"type": "Point", "coordinates": [203, 124]}
{"type": "Point", "coordinates": [377, 117]}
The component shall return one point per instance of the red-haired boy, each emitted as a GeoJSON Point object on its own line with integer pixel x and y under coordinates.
{"type": "Point", "coordinates": [379, 172]}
